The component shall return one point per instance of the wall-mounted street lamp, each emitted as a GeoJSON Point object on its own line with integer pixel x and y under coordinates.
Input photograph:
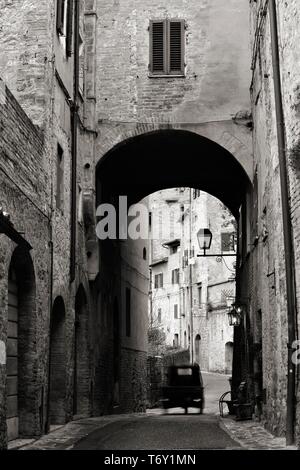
{"type": "Point", "coordinates": [235, 314]}
{"type": "Point", "coordinates": [204, 240]}
{"type": "Point", "coordinates": [7, 228]}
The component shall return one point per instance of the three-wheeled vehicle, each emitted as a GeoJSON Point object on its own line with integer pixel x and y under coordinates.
{"type": "Point", "coordinates": [184, 388]}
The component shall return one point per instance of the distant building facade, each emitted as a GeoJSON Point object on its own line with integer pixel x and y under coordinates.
{"type": "Point", "coordinates": [190, 295]}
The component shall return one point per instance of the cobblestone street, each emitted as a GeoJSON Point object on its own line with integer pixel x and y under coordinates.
{"type": "Point", "coordinates": [139, 431]}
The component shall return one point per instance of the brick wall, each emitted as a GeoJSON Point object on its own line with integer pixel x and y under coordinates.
{"type": "Point", "coordinates": [23, 194]}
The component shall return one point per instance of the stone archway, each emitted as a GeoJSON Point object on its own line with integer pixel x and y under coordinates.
{"type": "Point", "coordinates": [81, 400]}
{"type": "Point", "coordinates": [23, 418]}
{"type": "Point", "coordinates": [57, 379]}
{"type": "Point", "coordinates": [209, 158]}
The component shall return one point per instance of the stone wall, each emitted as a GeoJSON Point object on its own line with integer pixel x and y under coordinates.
{"type": "Point", "coordinates": [23, 195]}
{"type": "Point", "coordinates": [269, 308]}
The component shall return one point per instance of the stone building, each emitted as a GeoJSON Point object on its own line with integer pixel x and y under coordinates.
{"type": "Point", "coordinates": [274, 256]}
{"type": "Point", "coordinates": [189, 295]}
{"type": "Point", "coordinates": [157, 91]}
{"type": "Point", "coordinates": [70, 345]}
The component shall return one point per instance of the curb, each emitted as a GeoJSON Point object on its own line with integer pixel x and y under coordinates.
{"type": "Point", "coordinates": [230, 434]}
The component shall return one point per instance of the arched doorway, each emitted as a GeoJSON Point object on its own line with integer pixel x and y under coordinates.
{"type": "Point", "coordinates": [228, 357]}
{"type": "Point", "coordinates": [57, 379]}
{"type": "Point", "coordinates": [197, 349]}
{"type": "Point", "coordinates": [81, 400]}
{"type": "Point", "coordinates": [23, 418]}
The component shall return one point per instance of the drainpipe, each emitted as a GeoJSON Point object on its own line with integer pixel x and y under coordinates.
{"type": "Point", "coordinates": [191, 283]}
{"type": "Point", "coordinates": [287, 226]}
{"type": "Point", "coordinates": [74, 123]}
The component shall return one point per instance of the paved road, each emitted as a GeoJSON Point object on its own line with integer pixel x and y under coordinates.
{"type": "Point", "coordinates": [166, 432]}
{"type": "Point", "coordinates": [173, 430]}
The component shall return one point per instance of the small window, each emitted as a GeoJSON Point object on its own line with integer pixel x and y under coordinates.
{"type": "Point", "coordinates": [80, 205]}
{"type": "Point", "coordinates": [81, 65]}
{"type": "Point", "coordinates": [167, 47]}
{"type": "Point", "coordinates": [176, 340]}
{"type": "Point", "coordinates": [60, 178]}
{"type": "Point", "coordinates": [174, 250]}
{"type": "Point", "coordinates": [60, 16]}
{"type": "Point", "coordinates": [64, 23]}
{"type": "Point", "coordinates": [128, 313]}
{"type": "Point", "coordinates": [200, 294]}
{"type": "Point", "coordinates": [145, 254]}
{"type": "Point", "coordinates": [176, 312]}
{"type": "Point", "coordinates": [159, 281]}
{"type": "Point", "coordinates": [227, 241]}
{"type": "Point", "coordinates": [175, 276]}
{"type": "Point", "coordinates": [159, 315]}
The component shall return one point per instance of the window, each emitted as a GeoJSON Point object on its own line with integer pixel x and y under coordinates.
{"type": "Point", "coordinates": [145, 254]}
{"type": "Point", "coordinates": [159, 315]}
{"type": "Point", "coordinates": [200, 294]}
{"type": "Point", "coordinates": [60, 178]}
{"type": "Point", "coordinates": [174, 249]}
{"type": "Point", "coordinates": [64, 23]}
{"type": "Point", "coordinates": [175, 276]}
{"type": "Point", "coordinates": [81, 65]}
{"type": "Point", "coordinates": [167, 47]}
{"type": "Point", "coordinates": [128, 312]}
{"type": "Point", "coordinates": [80, 205]}
{"type": "Point", "coordinates": [196, 193]}
{"type": "Point", "coordinates": [185, 259]}
{"type": "Point", "coordinates": [176, 340]}
{"type": "Point", "coordinates": [176, 312]}
{"type": "Point", "coordinates": [159, 281]}
{"type": "Point", "coordinates": [227, 241]}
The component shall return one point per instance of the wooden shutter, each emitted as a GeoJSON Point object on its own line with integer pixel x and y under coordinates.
{"type": "Point", "coordinates": [69, 28]}
{"type": "Point", "coordinates": [176, 47]}
{"type": "Point", "coordinates": [60, 16]}
{"type": "Point", "coordinates": [158, 47]}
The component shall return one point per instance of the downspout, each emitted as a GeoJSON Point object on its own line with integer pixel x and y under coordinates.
{"type": "Point", "coordinates": [191, 283]}
{"type": "Point", "coordinates": [74, 124]}
{"type": "Point", "coordinates": [287, 226]}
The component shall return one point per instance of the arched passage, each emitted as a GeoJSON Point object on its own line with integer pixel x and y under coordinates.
{"type": "Point", "coordinates": [171, 158]}
{"type": "Point", "coordinates": [164, 159]}
{"type": "Point", "coordinates": [81, 356]}
{"type": "Point", "coordinates": [57, 379]}
{"type": "Point", "coordinates": [22, 407]}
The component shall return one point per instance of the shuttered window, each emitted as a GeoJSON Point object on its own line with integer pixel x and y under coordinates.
{"type": "Point", "coordinates": [69, 28]}
{"type": "Point", "coordinates": [64, 23]}
{"type": "Point", "coordinates": [60, 17]}
{"type": "Point", "coordinates": [167, 47]}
